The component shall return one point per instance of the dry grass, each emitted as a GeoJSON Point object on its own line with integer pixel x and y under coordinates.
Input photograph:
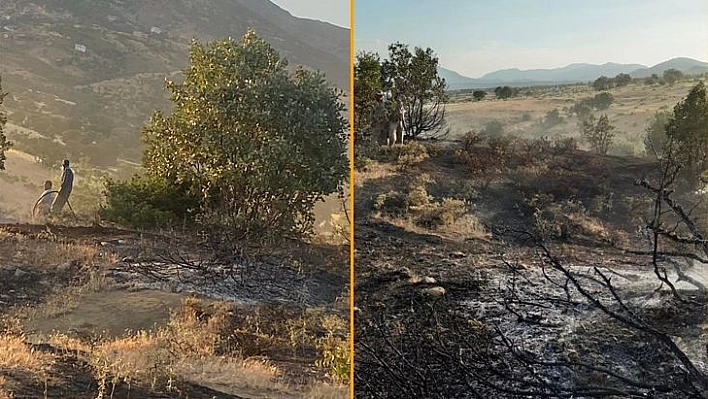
{"type": "Point", "coordinates": [249, 374]}
{"type": "Point", "coordinates": [634, 105]}
{"type": "Point", "coordinates": [237, 349]}
{"type": "Point", "coordinates": [417, 211]}
{"type": "Point", "coordinates": [18, 358]}
{"type": "Point", "coordinates": [16, 353]}
{"type": "Point", "coordinates": [47, 250]}
{"type": "Point", "coordinates": [202, 345]}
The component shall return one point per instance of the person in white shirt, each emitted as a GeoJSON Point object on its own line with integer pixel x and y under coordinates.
{"type": "Point", "coordinates": [44, 204]}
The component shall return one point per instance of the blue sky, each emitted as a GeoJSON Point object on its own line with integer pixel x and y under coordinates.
{"type": "Point", "coordinates": [332, 11]}
{"type": "Point", "coordinates": [474, 37]}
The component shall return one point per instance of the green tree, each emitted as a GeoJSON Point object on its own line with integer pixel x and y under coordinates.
{"type": "Point", "coordinates": [504, 92]}
{"type": "Point", "coordinates": [603, 100]}
{"type": "Point", "coordinates": [653, 79]}
{"type": "Point", "coordinates": [687, 128]}
{"type": "Point", "coordinates": [622, 79]}
{"type": "Point", "coordinates": [602, 83]}
{"type": "Point", "coordinates": [479, 94]}
{"type": "Point", "coordinates": [416, 86]}
{"type": "Point", "coordinates": [582, 109]}
{"type": "Point", "coordinates": [367, 82]}
{"type": "Point", "coordinates": [599, 134]}
{"type": "Point", "coordinates": [257, 144]}
{"type": "Point", "coordinates": [655, 139]}
{"type": "Point", "coordinates": [4, 143]}
{"type": "Point", "coordinates": [672, 75]}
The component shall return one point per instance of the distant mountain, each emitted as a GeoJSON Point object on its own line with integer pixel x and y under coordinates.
{"type": "Point", "coordinates": [85, 75]}
{"type": "Point", "coordinates": [572, 73]}
{"type": "Point", "coordinates": [456, 81]}
{"type": "Point", "coordinates": [685, 65]}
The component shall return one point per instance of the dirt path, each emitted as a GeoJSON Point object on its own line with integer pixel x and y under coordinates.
{"type": "Point", "coordinates": [109, 314]}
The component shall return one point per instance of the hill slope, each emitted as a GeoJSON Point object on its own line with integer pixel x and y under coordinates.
{"type": "Point", "coordinates": [87, 75]}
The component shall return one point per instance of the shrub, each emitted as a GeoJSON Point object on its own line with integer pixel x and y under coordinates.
{"type": "Point", "coordinates": [471, 139]}
{"type": "Point", "coordinates": [408, 153]}
{"type": "Point", "coordinates": [147, 201]}
{"type": "Point", "coordinates": [259, 144]}
{"type": "Point", "coordinates": [392, 203]}
{"type": "Point", "coordinates": [441, 214]}
{"type": "Point", "coordinates": [603, 100]}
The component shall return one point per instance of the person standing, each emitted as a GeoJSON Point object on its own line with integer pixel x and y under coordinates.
{"type": "Point", "coordinates": [67, 183]}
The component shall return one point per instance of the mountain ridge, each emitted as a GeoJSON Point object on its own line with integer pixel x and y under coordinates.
{"type": "Point", "coordinates": [571, 73]}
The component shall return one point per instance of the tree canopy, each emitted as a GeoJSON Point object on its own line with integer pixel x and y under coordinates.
{"type": "Point", "coordinates": [416, 86]}
{"type": "Point", "coordinates": [504, 92]}
{"type": "Point", "coordinates": [687, 128]}
{"type": "Point", "coordinates": [672, 75]}
{"type": "Point", "coordinates": [655, 139]}
{"type": "Point", "coordinates": [411, 81]}
{"type": "Point", "coordinates": [605, 83]}
{"type": "Point", "coordinates": [479, 94]}
{"type": "Point", "coordinates": [256, 144]}
{"type": "Point", "coordinates": [367, 82]}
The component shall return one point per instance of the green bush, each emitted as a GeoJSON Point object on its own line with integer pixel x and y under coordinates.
{"type": "Point", "coordinates": [260, 145]}
{"type": "Point", "coordinates": [147, 202]}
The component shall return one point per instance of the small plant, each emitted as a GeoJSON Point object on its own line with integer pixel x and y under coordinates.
{"type": "Point", "coordinates": [335, 357]}
{"type": "Point", "coordinates": [441, 214]}
{"type": "Point", "coordinates": [392, 203]}
{"type": "Point", "coordinates": [472, 139]}
{"type": "Point", "coordinates": [147, 202]}
{"type": "Point", "coordinates": [334, 349]}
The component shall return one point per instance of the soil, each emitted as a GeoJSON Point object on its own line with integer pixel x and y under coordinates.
{"type": "Point", "coordinates": [129, 298]}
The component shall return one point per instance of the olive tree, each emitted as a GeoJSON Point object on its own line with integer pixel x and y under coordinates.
{"type": "Point", "coordinates": [687, 129]}
{"type": "Point", "coordinates": [416, 86]}
{"type": "Point", "coordinates": [257, 144]}
{"type": "Point", "coordinates": [367, 82]}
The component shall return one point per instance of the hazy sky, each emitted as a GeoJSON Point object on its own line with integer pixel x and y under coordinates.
{"type": "Point", "coordinates": [332, 11]}
{"type": "Point", "coordinates": [476, 37]}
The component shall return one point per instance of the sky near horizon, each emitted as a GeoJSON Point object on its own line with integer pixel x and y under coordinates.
{"type": "Point", "coordinates": [333, 11]}
{"type": "Point", "coordinates": [477, 37]}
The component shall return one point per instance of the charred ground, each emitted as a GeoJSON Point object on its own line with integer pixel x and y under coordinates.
{"type": "Point", "coordinates": [464, 255]}
{"type": "Point", "coordinates": [90, 311]}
